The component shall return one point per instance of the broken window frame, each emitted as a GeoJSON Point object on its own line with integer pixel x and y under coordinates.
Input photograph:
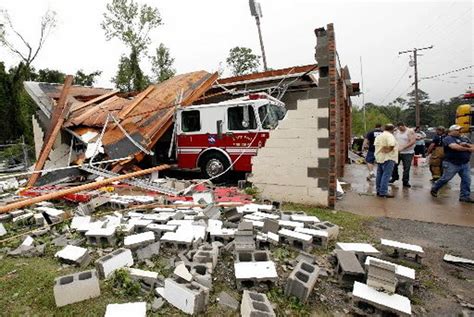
{"type": "Point", "coordinates": [190, 114]}
{"type": "Point", "coordinates": [253, 123]}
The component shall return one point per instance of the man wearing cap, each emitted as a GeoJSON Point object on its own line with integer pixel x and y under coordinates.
{"type": "Point", "coordinates": [386, 155]}
{"type": "Point", "coordinates": [457, 153]}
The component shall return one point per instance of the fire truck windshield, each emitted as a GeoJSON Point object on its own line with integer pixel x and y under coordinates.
{"type": "Point", "coordinates": [269, 115]}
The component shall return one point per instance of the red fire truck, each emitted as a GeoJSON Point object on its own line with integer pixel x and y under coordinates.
{"type": "Point", "coordinates": [214, 137]}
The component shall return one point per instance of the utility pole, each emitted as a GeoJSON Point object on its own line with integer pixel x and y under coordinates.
{"type": "Point", "coordinates": [415, 61]}
{"type": "Point", "coordinates": [363, 95]}
{"type": "Point", "coordinates": [256, 11]}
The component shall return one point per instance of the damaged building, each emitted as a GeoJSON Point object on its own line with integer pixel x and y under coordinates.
{"type": "Point", "coordinates": [300, 161]}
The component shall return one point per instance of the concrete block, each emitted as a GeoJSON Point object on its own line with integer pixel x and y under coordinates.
{"type": "Point", "coordinates": [402, 272]}
{"type": "Point", "coordinates": [298, 240]}
{"type": "Point", "coordinates": [148, 252]}
{"type": "Point", "coordinates": [290, 224]}
{"type": "Point", "coordinates": [381, 276]}
{"type": "Point", "coordinates": [3, 231]}
{"type": "Point", "coordinates": [255, 304]}
{"type": "Point", "coordinates": [228, 301]}
{"type": "Point", "coordinates": [305, 219]}
{"type": "Point", "coordinates": [139, 240]}
{"type": "Point", "coordinates": [207, 254]}
{"type": "Point", "coordinates": [74, 255]}
{"type": "Point", "coordinates": [182, 272]}
{"type": "Point", "coordinates": [27, 242]}
{"type": "Point", "coordinates": [332, 229]}
{"type": "Point", "coordinates": [148, 280]}
{"type": "Point", "coordinates": [301, 281]}
{"type": "Point", "coordinates": [348, 268]}
{"type": "Point", "coordinates": [409, 251]}
{"type": "Point", "coordinates": [160, 229]}
{"type": "Point", "coordinates": [76, 287]}
{"type": "Point", "coordinates": [270, 225]}
{"type": "Point", "coordinates": [191, 298]}
{"type": "Point", "coordinates": [391, 303]}
{"type": "Point", "coordinates": [201, 273]}
{"type": "Point", "coordinates": [39, 219]}
{"type": "Point", "coordinates": [101, 236]}
{"type": "Point", "coordinates": [54, 213]}
{"type": "Point", "coordinates": [23, 218]}
{"type": "Point", "coordinates": [320, 237]}
{"type": "Point", "coordinates": [80, 222]}
{"type": "Point", "coordinates": [361, 250]}
{"type": "Point", "coordinates": [137, 309]}
{"type": "Point", "coordinates": [119, 258]}
{"type": "Point", "coordinates": [251, 267]}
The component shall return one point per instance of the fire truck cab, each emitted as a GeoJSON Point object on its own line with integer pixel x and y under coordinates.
{"type": "Point", "coordinates": [214, 137]}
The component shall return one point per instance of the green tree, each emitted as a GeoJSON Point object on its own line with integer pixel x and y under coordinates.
{"type": "Point", "coordinates": [242, 61]}
{"type": "Point", "coordinates": [84, 79]}
{"type": "Point", "coordinates": [131, 23]}
{"type": "Point", "coordinates": [162, 64]}
{"type": "Point", "coordinates": [18, 106]}
{"type": "Point", "coordinates": [426, 116]}
{"type": "Point", "coordinates": [49, 76]}
{"type": "Point", "coordinates": [373, 115]}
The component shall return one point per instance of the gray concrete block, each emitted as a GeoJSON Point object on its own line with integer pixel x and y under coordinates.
{"type": "Point", "coordinates": [119, 258]}
{"type": "Point", "coordinates": [348, 268]}
{"type": "Point", "coordinates": [301, 281]}
{"type": "Point", "coordinates": [270, 225]}
{"type": "Point", "coordinates": [228, 301]}
{"type": "Point", "coordinates": [382, 276]}
{"type": "Point", "coordinates": [255, 305]}
{"type": "Point", "coordinates": [76, 287]}
{"type": "Point", "coordinates": [191, 298]}
{"type": "Point", "coordinates": [148, 252]}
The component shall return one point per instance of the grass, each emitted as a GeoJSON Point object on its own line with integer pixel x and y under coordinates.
{"type": "Point", "coordinates": [352, 227]}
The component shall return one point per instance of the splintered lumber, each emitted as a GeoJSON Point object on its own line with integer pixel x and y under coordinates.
{"type": "Point", "coordinates": [95, 100]}
{"type": "Point", "coordinates": [72, 190]}
{"type": "Point", "coordinates": [57, 120]}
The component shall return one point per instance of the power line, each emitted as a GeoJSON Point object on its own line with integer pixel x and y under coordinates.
{"type": "Point", "coordinates": [447, 73]}
{"type": "Point", "coordinates": [396, 85]}
{"type": "Point", "coordinates": [415, 64]}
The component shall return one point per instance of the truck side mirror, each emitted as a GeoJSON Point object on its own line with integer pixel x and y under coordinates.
{"type": "Point", "coordinates": [219, 129]}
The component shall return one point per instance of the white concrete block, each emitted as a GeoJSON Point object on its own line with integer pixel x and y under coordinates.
{"type": "Point", "coordinates": [29, 241]}
{"type": "Point", "coordinates": [114, 261]}
{"type": "Point", "coordinates": [71, 253]}
{"type": "Point", "coordinates": [162, 209]}
{"type": "Point", "coordinates": [357, 247]}
{"type": "Point", "coordinates": [3, 231]}
{"type": "Point", "coordinates": [101, 232]}
{"type": "Point", "coordinates": [250, 208]}
{"type": "Point", "coordinates": [139, 239]}
{"type": "Point", "coordinates": [394, 302]}
{"type": "Point", "coordinates": [183, 272]}
{"type": "Point", "coordinates": [52, 212]}
{"type": "Point", "coordinates": [159, 217]}
{"type": "Point", "coordinates": [456, 259]}
{"type": "Point", "coordinates": [255, 270]}
{"type": "Point", "coordinates": [303, 218]}
{"type": "Point", "coordinates": [400, 270]}
{"type": "Point", "coordinates": [208, 197]}
{"type": "Point", "coordinates": [313, 232]}
{"type": "Point", "coordinates": [142, 273]}
{"type": "Point", "coordinates": [255, 223]}
{"type": "Point", "coordinates": [295, 235]}
{"type": "Point", "coordinates": [290, 224]}
{"type": "Point", "coordinates": [189, 300]}
{"type": "Point", "coordinates": [401, 245]}
{"type": "Point", "coordinates": [80, 222]}
{"type": "Point", "coordinates": [137, 309]}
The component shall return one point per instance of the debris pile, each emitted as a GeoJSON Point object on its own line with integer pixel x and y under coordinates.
{"type": "Point", "coordinates": [196, 232]}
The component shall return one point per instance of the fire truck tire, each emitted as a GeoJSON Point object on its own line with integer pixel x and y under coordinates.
{"type": "Point", "coordinates": [213, 164]}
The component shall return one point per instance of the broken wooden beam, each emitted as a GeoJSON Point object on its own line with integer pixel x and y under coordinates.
{"type": "Point", "coordinates": [90, 186]}
{"type": "Point", "coordinates": [57, 120]}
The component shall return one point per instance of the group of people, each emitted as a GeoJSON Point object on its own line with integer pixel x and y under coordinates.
{"type": "Point", "coordinates": [390, 145]}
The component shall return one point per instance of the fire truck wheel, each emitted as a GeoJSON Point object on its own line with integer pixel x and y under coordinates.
{"type": "Point", "coordinates": [214, 164]}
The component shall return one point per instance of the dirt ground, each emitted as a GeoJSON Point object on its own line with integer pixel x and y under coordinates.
{"type": "Point", "coordinates": [442, 287]}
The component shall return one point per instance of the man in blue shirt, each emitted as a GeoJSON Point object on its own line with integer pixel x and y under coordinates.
{"type": "Point", "coordinates": [457, 153]}
{"type": "Point", "coordinates": [369, 146]}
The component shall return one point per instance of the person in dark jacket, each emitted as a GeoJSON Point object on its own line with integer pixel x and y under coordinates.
{"type": "Point", "coordinates": [436, 151]}
{"type": "Point", "coordinates": [457, 154]}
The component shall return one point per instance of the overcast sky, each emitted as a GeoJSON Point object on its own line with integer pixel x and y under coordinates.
{"type": "Point", "coordinates": [200, 34]}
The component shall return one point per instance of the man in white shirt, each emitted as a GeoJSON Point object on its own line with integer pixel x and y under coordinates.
{"type": "Point", "coordinates": [406, 139]}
